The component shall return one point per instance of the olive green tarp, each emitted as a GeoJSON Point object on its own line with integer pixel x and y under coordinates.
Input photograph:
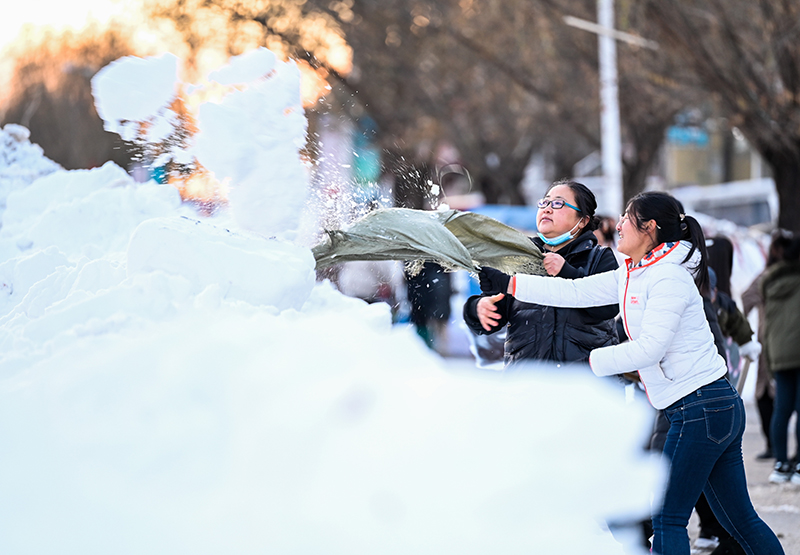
{"type": "Point", "coordinates": [454, 239]}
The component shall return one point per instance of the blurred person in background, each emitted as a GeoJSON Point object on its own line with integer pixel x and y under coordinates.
{"type": "Point", "coordinates": [733, 323]}
{"type": "Point", "coordinates": [720, 259]}
{"type": "Point", "coordinates": [373, 281]}
{"type": "Point", "coordinates": [765, 384]}
{"type": "Point", "coordinates": [429, 294]}
{"type": "Point", "coordinates": [606, 234]}
{"type": "Point", "coordinates": [566, 222]}
{"type": "Point", "coordinates": [780, 288]}
{"type": "Point", "coordinates": [672, 348]}
{"type": "Point", "coordinates": [737, 334]}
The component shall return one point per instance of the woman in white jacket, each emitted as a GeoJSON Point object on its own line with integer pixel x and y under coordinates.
{"type": "Point", "coordinates": [672, 349]}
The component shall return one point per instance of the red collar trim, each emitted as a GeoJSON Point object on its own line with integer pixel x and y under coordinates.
{"type": "Point", "coordinates": [655, 259]}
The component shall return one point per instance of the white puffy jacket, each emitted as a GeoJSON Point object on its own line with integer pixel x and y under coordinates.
{"type": "Point", "coordinates": [671, 345]}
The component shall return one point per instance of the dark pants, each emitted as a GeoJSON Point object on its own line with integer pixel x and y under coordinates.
{"type": "Point", "coordinates": [709, 525]}
{"type": "Point", "coordinates": [704, 448]}
{"type": "Point", "coordinates": [766, 404]}
{"type": "Point", "coordinates": [787, 400]}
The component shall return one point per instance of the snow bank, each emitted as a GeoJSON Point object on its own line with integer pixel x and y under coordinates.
{"type": "Point", "coordinates": [243, 441]}
{"type": "Point", "coordinates": [176, 385]}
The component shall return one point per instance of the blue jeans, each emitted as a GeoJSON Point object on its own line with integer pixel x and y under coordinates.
{"type": "Point", "coordinates": [704, 447]}
{"type": "Point", "coordinates": [787, 400]}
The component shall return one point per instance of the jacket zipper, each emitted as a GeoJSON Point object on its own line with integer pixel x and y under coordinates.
{"type": "Point", "coordinates": [628, 331]}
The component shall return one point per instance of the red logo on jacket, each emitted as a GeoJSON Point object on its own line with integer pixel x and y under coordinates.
{"type": "Point", "coordinates": [634, 300]}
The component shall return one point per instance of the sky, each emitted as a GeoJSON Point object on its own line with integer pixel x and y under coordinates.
{"type": "Point", "coordinates": [38, 15]}
{"type": "Point", "coordinates": [55, 13]}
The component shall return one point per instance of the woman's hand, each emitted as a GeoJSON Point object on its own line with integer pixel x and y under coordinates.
{"type": "Point", "coordinates": [553, 263]}
{"type": "Point", "coordinates": [487, 311]}
{"type": "Point", "coordinates": [632, 377]}
{"type": "Point", "coordinates": [493, 281]}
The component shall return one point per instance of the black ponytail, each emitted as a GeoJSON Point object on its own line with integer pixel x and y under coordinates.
{"type": "Point", "coordinates": [672, 225]}
{"type": "Point", "coordinates": [694, 234]}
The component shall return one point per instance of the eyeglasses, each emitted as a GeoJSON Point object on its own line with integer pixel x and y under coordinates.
{"type": "Point", "coordinates": [556, 203]}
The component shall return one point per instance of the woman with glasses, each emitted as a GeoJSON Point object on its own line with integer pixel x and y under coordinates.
{"type": "Point", "coordinates": [565, 221]}
{"type": "Point", "coordinates": [672, 349]}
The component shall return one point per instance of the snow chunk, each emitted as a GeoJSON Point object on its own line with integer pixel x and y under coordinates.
{"type": "Point", "coordinates": [248, 67]}
{"type": "Point", "coordinates": [253, 137]}
{"type": "Point", "coordinates": [133, 89]}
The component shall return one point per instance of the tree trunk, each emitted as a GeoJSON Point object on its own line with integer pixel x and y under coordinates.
{"type": "Point", "coordinates": [410, 181]}
{"type": "Point", "coordinates": [647, 141]}
{"type": "Point", "coordinates": [635, 179]}
{"type": "Point", "coordinates": [786, 172]}
{"type": "Point", "coordinates": [503, 185]}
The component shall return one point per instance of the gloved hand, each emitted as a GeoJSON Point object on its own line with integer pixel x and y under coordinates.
{"type": "Point", "coordinates": [751, 349]}
{"type": "Point", "coordinates": [493, 281]}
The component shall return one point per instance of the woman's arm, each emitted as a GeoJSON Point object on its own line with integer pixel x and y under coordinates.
{"type": "Point", "coordinates": [752, 298]}
{"type": "Point", "coordinates": [594, 290]}
{"type": "Point", "coordinates": [666, 303]}
{"type": "Point", "coordinates": [607, 262]}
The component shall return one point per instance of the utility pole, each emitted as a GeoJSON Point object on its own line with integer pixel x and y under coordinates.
{"type": "Point", "coordinates": [610, 136]}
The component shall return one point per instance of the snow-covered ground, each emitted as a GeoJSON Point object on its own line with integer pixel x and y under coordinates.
{"type": "Point", "coordinates": [171, 383]}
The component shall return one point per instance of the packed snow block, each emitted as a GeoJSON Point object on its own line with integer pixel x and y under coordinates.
{"type": "Point", "coordinates": [252, 139]}
{"type": "Point", "coordinates": [245, 267]}
{"type": "Point", "coordinates": [248, 67]}
{"type": "Point", "coordinates": [270, 206]}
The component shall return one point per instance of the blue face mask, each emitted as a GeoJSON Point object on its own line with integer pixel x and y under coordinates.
{"type": "Point", "coordinates": [563, 238]}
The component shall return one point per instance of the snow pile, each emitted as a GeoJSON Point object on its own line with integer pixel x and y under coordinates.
{"type": "Point", "coordinates": [21, 162]}
{"type": "Point", "coordinates": [176, 385]}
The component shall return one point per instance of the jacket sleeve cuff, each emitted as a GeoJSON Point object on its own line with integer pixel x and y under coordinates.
{"type": "Point", "coordinates": [591, 366]}
{"type": "Point", "coordinates": [601, 362]}
{"type": "Point", "coordinates": [569, 271]}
